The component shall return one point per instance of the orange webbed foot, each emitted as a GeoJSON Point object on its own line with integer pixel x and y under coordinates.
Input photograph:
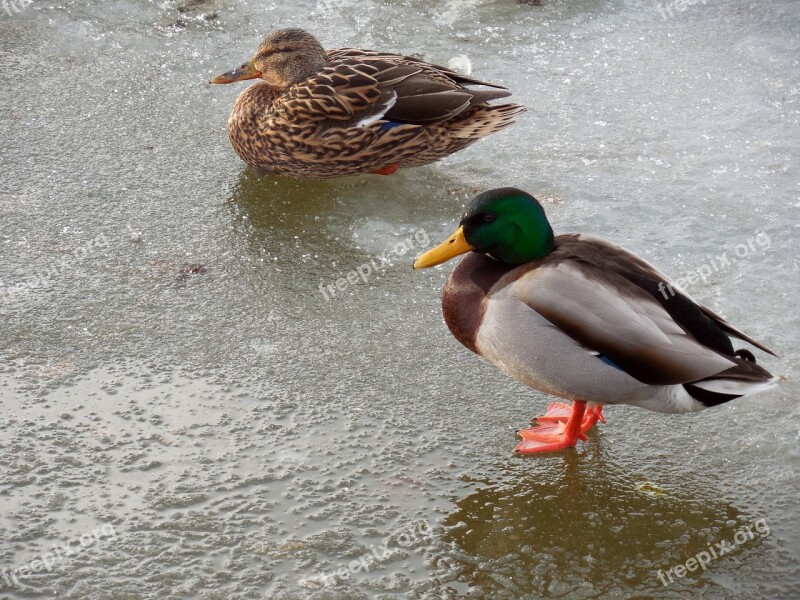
{"type": "Point", "coordinates": [559, 428]}
{"type": "Point", "coordinates": [387, 170]}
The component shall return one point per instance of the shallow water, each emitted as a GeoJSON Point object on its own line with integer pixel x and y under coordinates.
{"type": "Point", "coordinates": [170, 370]}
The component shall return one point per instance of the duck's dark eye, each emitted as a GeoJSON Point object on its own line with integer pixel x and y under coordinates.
{"type": "Point", "coordinates": [488, 218]}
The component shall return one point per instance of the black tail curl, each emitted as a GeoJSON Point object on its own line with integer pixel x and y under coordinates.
{"type": "Point", "coordinates": [745, 355]}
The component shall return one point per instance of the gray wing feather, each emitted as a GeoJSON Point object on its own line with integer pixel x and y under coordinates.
{"type": "Point", "coordinates": [609, 315]}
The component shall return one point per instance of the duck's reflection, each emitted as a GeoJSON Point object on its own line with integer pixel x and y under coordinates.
{"type": "Point", "coordinates": [578, 522]}
{"type": "Point", "coordinates": [292, 225]}
{"type": "Point", "coordinates": [314, 222]}
{"type": "Point", "coordinates": [292, 205]}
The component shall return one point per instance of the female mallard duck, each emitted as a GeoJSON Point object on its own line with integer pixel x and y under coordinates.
{"type": "Point", "coordinates": [579, 318]}
{"type": "Point", "coordinates": [319, 114]}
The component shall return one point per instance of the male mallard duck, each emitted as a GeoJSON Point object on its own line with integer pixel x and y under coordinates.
{"type": "Point", "coordinates": [319, 114]}
{"type": "Point", "coordinates": [580, 318]}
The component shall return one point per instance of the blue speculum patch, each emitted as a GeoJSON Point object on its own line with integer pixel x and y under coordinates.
{"type": "Point", "coordinates": [390, 125]}
{"type": "Point", "coordinates": [610, 362]}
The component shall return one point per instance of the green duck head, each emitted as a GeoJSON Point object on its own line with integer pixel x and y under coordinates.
{"type": "Point", "coordinates": [506, 224]}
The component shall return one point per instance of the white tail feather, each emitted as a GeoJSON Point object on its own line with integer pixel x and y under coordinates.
{"type": "Point", "coordinates": [736, 387]}
{"type": "Point", "coordinates": [460, 64]}
{"type": "Point", "coordinates": [367, 121]}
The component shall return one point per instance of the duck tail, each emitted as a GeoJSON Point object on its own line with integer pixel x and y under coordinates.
{"type": "Point", "coordinates": [483, 120]}
{"type": "Point", "coordinates": [744, 379]}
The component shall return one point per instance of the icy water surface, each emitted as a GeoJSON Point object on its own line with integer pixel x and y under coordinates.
{"type": "Point", "coordinates": [186, 415]}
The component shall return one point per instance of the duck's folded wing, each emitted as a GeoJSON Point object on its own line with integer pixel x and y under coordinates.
{"type": "Point", "coordinates": [435, 70]}
{"type": "Point", "coordinates": [352, 93]}
{"type": "Point", "coordinates": [611, 316]}
{"type": "Point", "coordinates": [341, 95]}
{"type": "Point", "coordinates": [702, 322]}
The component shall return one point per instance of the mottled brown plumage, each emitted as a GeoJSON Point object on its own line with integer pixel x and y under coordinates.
{"type": "Point", "coordinates": [319, 114]}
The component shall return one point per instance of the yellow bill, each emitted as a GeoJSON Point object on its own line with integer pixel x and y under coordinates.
{"type": "Point", "coordinates": [453, 246]}
{"type": "Point", "coordinates": [246, 71]}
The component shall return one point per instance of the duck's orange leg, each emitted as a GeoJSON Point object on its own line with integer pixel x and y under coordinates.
{"type": "Point", "coordinates": [559, 411]}
{"type": "Point", "coordinates": [592, 416]}
{"type": "Point", "coordinates": [561, 427]}
{"type": "Point", "coordinates": [387, 170]}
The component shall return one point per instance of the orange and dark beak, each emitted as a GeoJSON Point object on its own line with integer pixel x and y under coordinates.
{"type": "Point", "coordinates": [246, 71]}
{"type": "Point", "coordinates": [453, 246]}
